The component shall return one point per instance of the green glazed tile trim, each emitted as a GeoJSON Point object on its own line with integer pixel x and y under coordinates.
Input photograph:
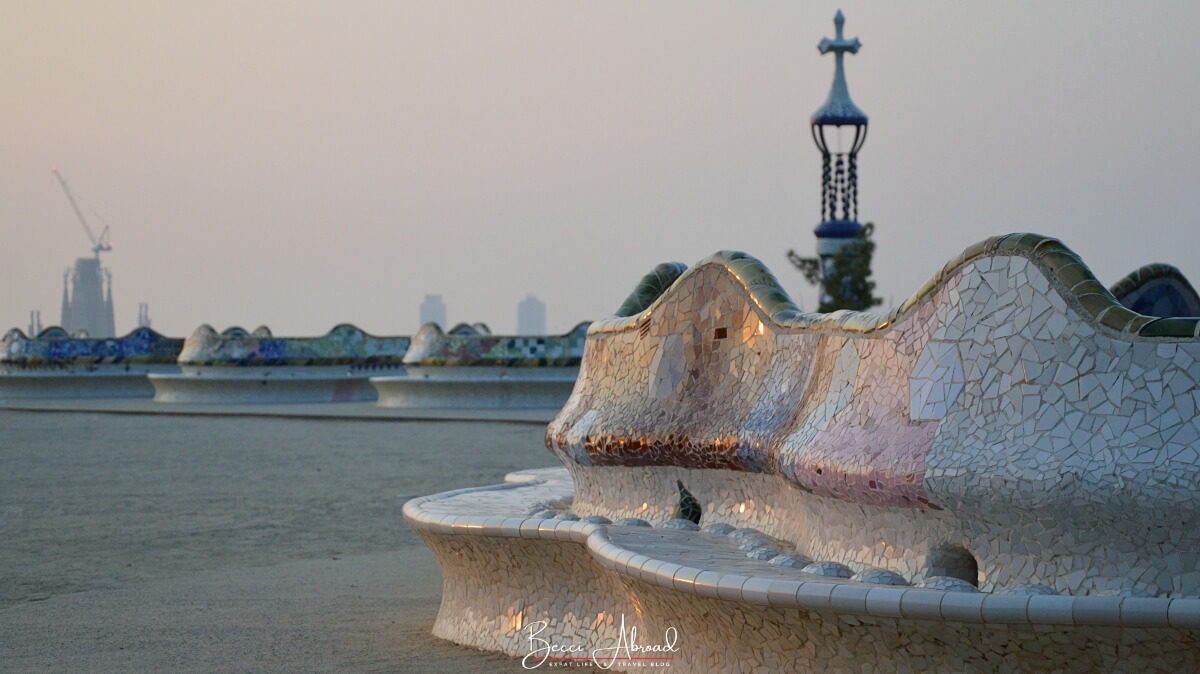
{"type": "Point", "coordinates": [1170, 327]}
{"type": "Point", "coordinates": [1058, 262]}
{"type": "Point", "coordinates": [650, 287]}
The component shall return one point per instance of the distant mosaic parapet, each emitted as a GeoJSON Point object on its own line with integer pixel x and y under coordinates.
{"type": "Point", "coordinates": [432, 347]}
{"type": "Point", "coordinates": [54, 347]}
{"type": "Point", "coordinates": [1012, 399]}
{"type": "Point", "coordinates": [476, 369]}
{"type": "Point", "coordinates": [468, 329]}
{"type": "Point", "coordinates": [345, 344]}
{"type": "Point", "coordinates": [1158, 290]}
{"type": "Point", "coordinates": [53, 364]}
{"type": "Point", "coordinates": [239, 367]}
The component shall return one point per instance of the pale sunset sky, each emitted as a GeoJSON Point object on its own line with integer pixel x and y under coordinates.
{"type": "Point", "coordinates": [302, 164]}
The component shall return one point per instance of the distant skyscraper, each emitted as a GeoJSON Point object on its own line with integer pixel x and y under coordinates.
{"type": "Point", "coordinates": [35, 322]}
{"type": "Point", "coordinates": [143, 319]}
{"type": "Point", "coordinates": [531, 316]}
{"type": "Point", "coordinates": [433, 310]}
{"type": "Point", "coordinates": [89, 304]}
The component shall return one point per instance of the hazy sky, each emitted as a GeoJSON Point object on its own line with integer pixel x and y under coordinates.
{"type": "Point", "coordinates": [304, 164]}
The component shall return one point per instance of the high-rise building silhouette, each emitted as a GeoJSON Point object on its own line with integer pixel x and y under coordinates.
{"type": "Point", "coordinates": [433, 310]}
{"type": "Point", "coordinates": [89, 305]}
{"type": "Point", "coordinates": [143, 319]}
{"type": "Point", "coordinates": [35, 323]}
{"type": "Point", "coordinates": [531, 316]}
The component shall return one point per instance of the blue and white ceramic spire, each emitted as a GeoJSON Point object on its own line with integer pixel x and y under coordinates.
{"type": "Point", "coordinates": [839, 128]}
{"type": "Point", "coordinates": [839, 109]}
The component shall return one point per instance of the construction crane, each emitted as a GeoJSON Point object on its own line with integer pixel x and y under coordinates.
{"type": "Point", "coordinates": [100, 244]}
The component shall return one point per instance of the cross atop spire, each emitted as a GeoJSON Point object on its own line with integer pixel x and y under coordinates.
{"type": "Point", "coordinates": [838, 109]}
{"type": "Point", "coordinates": [839, 44]}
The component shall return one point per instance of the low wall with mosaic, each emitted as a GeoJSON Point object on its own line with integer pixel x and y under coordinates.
{"type": "Point", "coordinates": [522, 573]}
{"type": "Point", "coordinates": [998, 473]}
{"type": "Point", "coordinates": [481, 370]}
{"type": "Point", "coordinates": [236, 366]}
{"type": "Point", "coordinates": [54, 364]}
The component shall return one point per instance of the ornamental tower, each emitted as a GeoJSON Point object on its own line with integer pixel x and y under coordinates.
{"type": "Point", "coordinates": [839, 128]}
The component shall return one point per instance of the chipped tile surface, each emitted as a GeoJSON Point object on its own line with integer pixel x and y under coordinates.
{"type": "Point", "coordinates": [1005, 466]}
{"type": "Point", "coordinates": [998, 413]}
{"type": "Point", "coordinates": [577, 584]}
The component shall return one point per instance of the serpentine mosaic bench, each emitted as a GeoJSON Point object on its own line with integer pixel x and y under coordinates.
{"type": "Point", "coordinates": [999, 474]}
{"type": "Point", "coordinates": [460, 369]}
{"type": "Point", "coordinates": [53, 364]}
{"type": "Point", "coordinates": [240, 367]}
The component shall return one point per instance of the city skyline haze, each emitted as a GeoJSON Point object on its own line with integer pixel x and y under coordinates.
{"type": "Point", "coordinates": [305, 164]}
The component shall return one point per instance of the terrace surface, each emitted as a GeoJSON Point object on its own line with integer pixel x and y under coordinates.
{"type": "Point", "coordinates": [163, 543]}
{"type": "Point", "coordinates": [366, 411]}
